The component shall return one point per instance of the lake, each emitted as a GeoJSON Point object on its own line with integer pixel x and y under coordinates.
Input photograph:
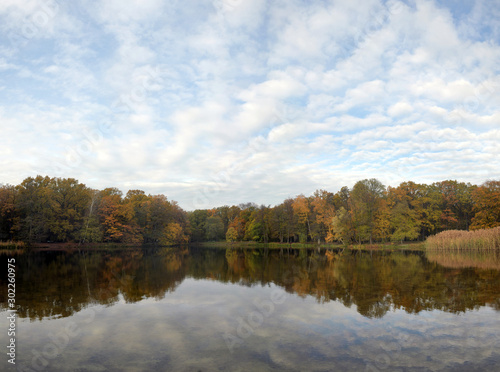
{"type": "Point", "coordinates": [194, 309]}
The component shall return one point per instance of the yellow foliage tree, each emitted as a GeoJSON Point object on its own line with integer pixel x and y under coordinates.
{"type": "Point", "coordinates": [173, 234]}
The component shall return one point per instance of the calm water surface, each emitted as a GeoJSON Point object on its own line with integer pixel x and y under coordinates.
{"type": "Point", "coordinates": [191, 309]}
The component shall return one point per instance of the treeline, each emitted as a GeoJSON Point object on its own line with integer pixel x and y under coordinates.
{"type": "Point", "coordinates": [45, 209]}
{"type": "Point", "coordinates": [368, 212]}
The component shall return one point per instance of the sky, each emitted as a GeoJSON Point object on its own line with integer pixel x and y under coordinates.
{"type": "Point", "coordinates": [224, 102]}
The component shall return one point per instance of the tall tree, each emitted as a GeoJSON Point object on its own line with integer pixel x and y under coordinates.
{"type": "Point", "coordinates": [343, 229]}
{"type": "Point", "coordinates": [197, 221]}
{"type": "Point", "coordinates": [139, 202]}
{"type": "Point", "coordinates": [455, 203]}
{"type": "Point", "coordinates": [366, 196]}
{"type": "Point", "coordinates": [70, 201]}
{"type": "Point", "coordinates": [117, 218]}
{"type": "Point", "coordinates": [92, 230]}
{"type": "Point", "coordinates": [411, 211]}
{"type": "Point", "coordinates": [302, 209]}
{"type": "Point", "coordinates": [9, 218]}
{"type": "Point", "coordinates": [486, 200]}
{"type": "Point", "coordinates": [214, 228]}
{"type": "Point", "coordinates": [382, 227]}
{"type": "Point", "coordinates": [343, 226]}
{"type": "Point", "coordinates": [324, 211]}
{"type": "Point", "coordinates": [36, 208]}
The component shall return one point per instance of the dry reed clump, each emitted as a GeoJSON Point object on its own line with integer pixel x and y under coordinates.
{"type": "Point", "coordinates": [12, 245]}
{"type": "Point", "coordinates": [484, 239]}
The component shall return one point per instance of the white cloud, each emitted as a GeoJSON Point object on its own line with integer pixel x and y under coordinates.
{"type": "Point", "coordinates": [129, 11]}
{"type": "Point", "coordinates": [400, 108]}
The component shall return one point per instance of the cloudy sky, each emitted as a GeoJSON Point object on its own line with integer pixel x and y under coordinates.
{"type": "Point", "coordinates": [229, 101]}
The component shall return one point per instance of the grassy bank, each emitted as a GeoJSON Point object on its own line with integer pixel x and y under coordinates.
{"type": "Point", "coordinates": [255, 245]}
{"type": "Point", "coordinates": [452, 240]}
{"type": "Point", "coordinates": [217, 245]}
{"type": "Point", "coordinates": [408, 246]}
{"type": "Point", "coordinates": [252, 245]}
{"type": "Point", "coordinates": [12, 245]}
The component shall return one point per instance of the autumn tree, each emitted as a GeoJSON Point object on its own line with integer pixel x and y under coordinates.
{"type": "Point", "coordinates": [289, 220]}
{"type": "Point", "coordinates": [238, 225]}
{"type": "Point", "coordinates": [160, 221]}
{"type": "Point", "coordinates": [366, 196]}
{"type": "Point", "coordinates": [223, 213]}
{"type": "Point", "coordinates": [324, 211]}
{"type": "Point", "coordinates": [247, 217]}
{"type": "Point", "coordinates": [138, 201]}
{"type": "Point", "coordinates": [69, 203]}
{"type": "Point", "coordinates": [110, 214]}
{"type": "Point", "coordinates": [9, 219]}
{"type": "Point", "coordinates": [36, 208]}
{"type": "Point", "coordinates": [91, 230]}
{"type": "Point", "coordinates": [342, 226]}
{"type": "Point", "coordinates": [173, 234]}
{"type": "Point", "coordinates": [455, 204]}
{"type": "Point", "coordinates": [302, 210]}
{"type": "Point", "coordinates": [405, 211]}
{"type": "Point", "coordinates": [261, 225]}
{"type": "Point", "coordinates": [158, 212]}
{"type": "Point", "coordinates": [382, 225]}
{"type": "Point", "coordinates": [254, 228]}
{"type": "Point", "coordinates": [486, 199]}
{"type": "Point", "coordinates": [279, 219]}
{"type": "Point", "coordinates": [342, 229]}
{"type": "Point", "coordinates": [62, 209]}
{"type": "Point", "coordinates": [231, 235]}
{"type": "Point", "coordinates": [179, 216]}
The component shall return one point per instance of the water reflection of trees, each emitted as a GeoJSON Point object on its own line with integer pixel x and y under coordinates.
{"type": "Point", "coordinates": [57, 284]}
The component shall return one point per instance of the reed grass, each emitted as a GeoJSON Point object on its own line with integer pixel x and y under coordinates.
{"type": "Point", "coordinates": [12, 245]}
{"type": "Point", "coordinates": [453, 240]}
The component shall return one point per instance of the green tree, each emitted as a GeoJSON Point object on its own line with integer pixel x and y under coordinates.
{"type": "Point", "coordinates": [254, 229]}
{"type": "Point", "coordinates": [9, 219]}
{"type": "Point", "coordinates": [343, 226]}
{"type": "Point", "coordinates": [214, 228]}
{"type": "Point", "coordinates": [36, 208]}
{"type": "Point", "coordinates": [404, 216]}
{"type": "Point", "coordinates": [231, 235]}
{"type": "Point", "coordinates": [404, 222]}
{"type": "Point", "coordinates": [70, 200]}
{"type": "Point", "coordinates": [197, 220]}
{"type": "Point", "coordinates": [139, 202]}
{"type": "Point", "coordinates": [366, 196]}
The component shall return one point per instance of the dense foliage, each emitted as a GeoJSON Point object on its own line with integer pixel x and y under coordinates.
{"type": "Point", "coordinates": [44, 209]}
{"type": "Point", "coordinates": [366, 213]}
